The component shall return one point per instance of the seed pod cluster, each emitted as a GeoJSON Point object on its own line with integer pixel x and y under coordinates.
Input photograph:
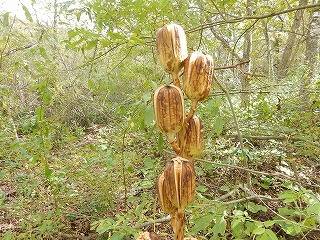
{"type": "Point", "coordinates": [176, 185]}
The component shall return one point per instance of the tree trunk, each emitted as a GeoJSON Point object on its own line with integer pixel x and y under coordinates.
{"type": "Point", "coordinates": [311, 54]}
{"type": "Point", "coordinates": [284, 64]}
{"type": "Point", "coordinates": [247, 45]}
{"type": "Point", "coordinates": [269, 50]}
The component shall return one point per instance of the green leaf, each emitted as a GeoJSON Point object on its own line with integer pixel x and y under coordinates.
{"type": "Point", "coordinates": [254, 208]}
{"type": "Point", "coordinates": [315, 104]}
{"type": "Point", "coordinates": [27, 13]}
{"type": "Point", "coordinates": [149, 163]}
{"type": "Point", "coordinates": [268, 223]}
{"type": "Point", "coordinates": [220, 226]}
{"type": "Point", "coordinates": [72, 33]}
{"type": "Point", "coordinates": [201, 188]}
{"type": "Point", "coordinates": [5, 22]}
{"type": "Point", "coordinates": [46, 97]}
{"type": "Point", "coordinates": [47, 171]}
{"type": "Point", "coordinates": [149, 115]}
{"type": "Point", "coordinates": [8, 235]}
{"type": "Point", "coordinates": [202, 223]}
{"type": "Point", "coordinates": [268, 235]}
{"type": "Point", "coordinates": [160, 143]}
{"type": "Point", "coordinates": [218, 125]}
{"type": "Point", "coordinates": [289, 196]}
{"type": "Point", "coordinates": [258, 231]}
{"type": "Point", "coordinates": [117, 236]}
{"type": "Point", "coordinates": [43, 52]}
{"type": "Point", "coordinates": [90, 45]}
{"type": "Point", "coordinates": [40, 114]}
{"type": "Point", "coordinates": [314, 209]}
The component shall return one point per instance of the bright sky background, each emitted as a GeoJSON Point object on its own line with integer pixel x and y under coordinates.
{"type": "Point", "coordinates": [14, 7]}
{"type": "Point", "coordinates": [42, 13]}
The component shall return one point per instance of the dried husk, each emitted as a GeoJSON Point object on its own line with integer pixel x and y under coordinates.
{"type": "Point", "coordinates": [169, 111]}
{"type": "Point", "coordinates": [172, 49]}
{"type": "Point", "coordinates": [180, 182]}
{"type": "Point", "coordinates": [191, 139]}
{"type": "Point", "coordinates": [197, 78]}
{"type": "Point", "coordinates": [163, 199]}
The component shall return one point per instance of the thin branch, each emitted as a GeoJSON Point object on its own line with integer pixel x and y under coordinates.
{"type": "Point", "coordinates": [240, 91]}
{"type": "Point", "coordinates": [241, 19]}
{"type": "Point", "coordinates": [232, 66]}
{"type": "Point", "coordinates": [235, 119]}
{"type": "Point", "coordinates": [7, 42]}
{"type": "Point", "coordinates": [218, 9]}
{"type": "Point", "coordinates": [274, 174]}
{"type": "Point", "coordinates": [24, 47]}
{"type": "Point", "coordinates": [233, 112]}
{"type": "Point", "coordinates": [245, 199]}
{"type": "Point", "coordinates": [146, 224]}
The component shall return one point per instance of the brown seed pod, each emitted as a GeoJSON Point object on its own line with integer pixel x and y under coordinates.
{"type": "Point", "coordinates": [165, 203]}
{"type": "Point", "coordinates": [191, 139]}
{"type": "Point", "coordinates": [172, 49]}
{"type": "Point", "coordinates": [197, 79]}
{"type": "Point", "coordinates": [169, 112]}
{"type": "Point", "coordinates": [180, 182]}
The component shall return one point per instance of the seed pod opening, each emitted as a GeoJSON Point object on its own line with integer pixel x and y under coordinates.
{"type": "Point", "coordinates": [169, 111]}
{"type": "Point", "coordinates": [172, 49]}
{"type": "Point", "coordinates": [163, 199]}
{"type": "Point", "coordinates": [180, 182]}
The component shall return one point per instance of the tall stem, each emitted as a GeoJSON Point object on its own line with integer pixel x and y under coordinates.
{"type": "Point", "coordinates": [175, 79]}
{"type": "Point", "coordinates": [123, 166]}
{"type": "Point", "coordinates": [177, 222]}
{"type": "Point", "coordinates": [235, 119]}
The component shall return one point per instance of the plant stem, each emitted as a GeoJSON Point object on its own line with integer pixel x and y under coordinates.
{"type": "Point", "coordinates": [123, 166]}
{"type": "Point", "coordinates": [245, 160]}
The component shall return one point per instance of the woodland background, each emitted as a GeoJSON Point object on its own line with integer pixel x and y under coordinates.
{"type": "Point", "coordinates": [79, 149]}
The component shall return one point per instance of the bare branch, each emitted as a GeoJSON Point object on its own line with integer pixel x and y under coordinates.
{"type": "Point", "coordinates": [241, 19]}
{"type": "Point", "coordinates": [161, 220]}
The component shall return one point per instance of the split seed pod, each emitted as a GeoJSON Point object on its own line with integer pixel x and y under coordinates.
{"type": "Point", "coordinates": [198, 76]}
{"type": "Point", "coordinates": [169, 111]}
{"type": "Point", "coordinates": [180, 182]}
{"type": "Point", "coordinates": [163, 199]}
{"type": "Point", "coordinates": [172, 49]}
{"type": "Point", "coordinates": [191, 140]}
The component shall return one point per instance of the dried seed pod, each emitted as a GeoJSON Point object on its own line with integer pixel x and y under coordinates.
{"type": "Point", "coordinates": [172, 49]}
{"type": "Point", "coordinates": [194, 138]}
{"type": "Point", "coordinates": [197, 80]}
{"type": "Point", "coordinates": [191, 139]}
{"type": "Point", "coordinates": [180, 182]}
{"type": "Point", "coordinates": [169, 111]}
{"type": "Point", "coordinates": [165, 203]}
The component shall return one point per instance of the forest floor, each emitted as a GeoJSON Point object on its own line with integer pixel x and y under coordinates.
{"type": "Point", "coordinates": [85, 186]}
